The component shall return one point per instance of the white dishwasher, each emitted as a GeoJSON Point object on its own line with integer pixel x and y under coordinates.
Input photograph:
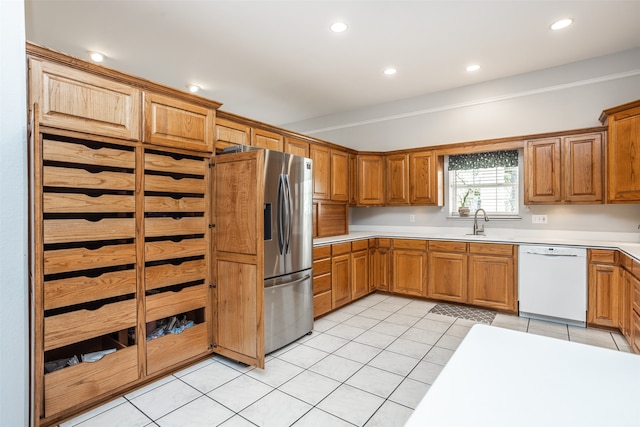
{"type": "Point", "coordinates": [552, 283]}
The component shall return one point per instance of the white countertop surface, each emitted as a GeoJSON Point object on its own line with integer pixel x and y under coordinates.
{"type": "Point", "coordinates": [499, 377]}
{"type": "Point", "coordinates": [626, 242]}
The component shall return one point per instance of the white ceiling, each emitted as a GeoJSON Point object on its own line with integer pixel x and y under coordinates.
{"type": "Point", "coordinates": [278, 62]}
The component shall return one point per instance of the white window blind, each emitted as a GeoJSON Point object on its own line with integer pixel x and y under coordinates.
{"type": "Point", "coordinates": [484, 180]}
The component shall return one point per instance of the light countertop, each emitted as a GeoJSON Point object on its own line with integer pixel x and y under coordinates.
{"type": "Point", "coordinates": [499, 377]}
{"type": "Point", "coordinates": [628, 243]}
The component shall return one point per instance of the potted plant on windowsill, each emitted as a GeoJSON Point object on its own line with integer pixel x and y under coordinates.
{"type": "Point", "coordinates": [463, 210]}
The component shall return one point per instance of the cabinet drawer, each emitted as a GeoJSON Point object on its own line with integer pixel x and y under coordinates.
{"type": "Point", "coordinates": [340, 248]}
{"type": "Point", "coordinates": [168, 184]}
{"type": "Point", "coordinates": [175, 163]}
{"type": "Point", "coordinates": [76, 384]}
{"type": "Point", "coordinates": [80, 178]}
{"type": "Point", "coordinates": [409, 244]}
{"type": "Point", "coordinates": [359, 245]}
{"type": "Point", "coordinates": [491, 249]}
{"type": "Point", "coordinates": [168, 249]}
{"type": "Point", "coordinates": [170, 204]}
{"type": "Point", "coordinates": [80, 325]}
{"type": "Point", "coordinates": [81, 289]}
{"type": "Point", "coordinates": [321, 284]}
{"type": "Point", "coordinates": [176, 348]}
{"type": "Point", "coordinates": [80, 230]}
{"type": "Point", "coordinates": [321, 267]}
{"type": "Point", "coordinates": [384, 243]}
{"type": "Point", "coordinates": [602, 256]}
{"type": "Point", "coordinates": [167, 226]}
{"type": "Point", "coordinates": [82, 203]}
{"type": "Point", "coordinates": [173, 274]}
{"type": "Point", "coordinates": [447, 246]}
{"type": "Point", "coordinates": [90, 154]}
{"type": "Point", "coordinates": [320, 252]}
{"type": "Point", "coordinates": [169, 303]}
{"type": "Point", "coordinates": [321, 304]}
{"type": "Point", "coordinates": [76, 259]}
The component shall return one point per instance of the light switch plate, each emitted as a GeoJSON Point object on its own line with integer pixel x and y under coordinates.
{"type": "Point", "coordinates": [538, 219]}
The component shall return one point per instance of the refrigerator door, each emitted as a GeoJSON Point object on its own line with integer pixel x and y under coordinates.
{"type": "Point", "coordinates": [298, 225]}
{"type": "Point", "coordinates": [274, 204]}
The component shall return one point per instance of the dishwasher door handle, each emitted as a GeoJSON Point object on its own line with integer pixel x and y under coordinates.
{"type": "Point", "coordinates": [552, 255]}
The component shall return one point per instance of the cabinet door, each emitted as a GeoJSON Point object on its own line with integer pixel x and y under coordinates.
{"type": "Point", "coordinates": [409, 272]}
{"type": "Point", "coordinates": [339, 176]}
{"type": "Point", "coordinates": [268, 140]}
{"type": "Point", "coordinates": [359, 273]}
{"type": "Point", "coordinates": [582, 161]}
{"type": "Point", "coordinates": [340, 280]}
{"type": "Point", "coordinates": [492, 282]}
{"type": "Point", "coordinates": [603, 295]}
{"type": "Point", "coordinates": [380, 268]}
{"type": "Point", "coordinates": [623, 157]}
{"type": "Point", "coordinates": [425, 179]}
{"type": "Point", "coordinates": [353, 179]}
{"type": "Point", "coordinates": [542, 171]}
{"type": "Point", "coordinates": [176, 123]}
{"type": "Point", "coordinates": [447, 276]}
{"type": "Point", "coordinates": [397, 179]}
{"type": "Point", "coordinates": [230, 133]}
{"type": "Point", "coordinates": [370, 180]}
{"type": "Point", "coordinates": [296, 147]}
{"type": "Point", "coordinates": [75, 100]}
{"type": "Point", "coordinates": [321, 171]}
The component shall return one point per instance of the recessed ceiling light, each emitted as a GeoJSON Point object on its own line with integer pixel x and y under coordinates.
{"type": "Point", "coordinates": [193, 88]}
{"type": "Point", "coordinates": [390, 71]}
{"type": "Point", "coordinates": [562, 23]}
{"type": "Point", "coordinates": [339, 27]}
{"type": "Point", "coordinates": [473, 67]}
{"type": "Point", "coordinates": [96, 56]}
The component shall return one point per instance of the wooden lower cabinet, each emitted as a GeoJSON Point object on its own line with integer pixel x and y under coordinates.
{"type": "Point", "coordinates": [321, 280]}
{"type": "Point", "coordinates": [380, 265]}
{"type": "Point", "coordinates": [491, 282]}
{"type": "Point", "coordinates": [603, 295]}
{"type": "Point", "coordinates": [340, 274]}
{"type": "Point", "coordinates": [448, 276]}
{"type": "Point", "coordinates": [360, 269]}
{"type": "Point", "coordinates": [409, 272]}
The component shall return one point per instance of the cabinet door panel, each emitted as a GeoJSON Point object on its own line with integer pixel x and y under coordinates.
{"type": "Point", "coordinates": [359, 273]}
{"type": "Point", "coordinates": [448, 276]}
{"type": "Point", "coordinates": [340, 280]}
{"type": "Point", "coordinates": [583, 168]}
{"type": "Point", "coordinates": [339, 176]}
{"type": "Point", "coordinates": [370, 180]}
{"type": "Point", "coordinates": [492, 282]}
{"type": "Point", "coordinates": [603, 295]}
{"type": "Point", "coordinates": [296, 147]}
{"type": "Point", "coordinates": [321, 171]}
{"type": "Point", "coordinates": [426, 179]}
{"type": "Point", "coordinates": [542, 171]}
{"type": "Point", "coordinates": [623, 159]}
{"type": "Point", "coordinates": [397, 179]}
{"type": "Point", "coordinates": [409, 272]}
{"type": "Point", "coordinates": [268, 140]}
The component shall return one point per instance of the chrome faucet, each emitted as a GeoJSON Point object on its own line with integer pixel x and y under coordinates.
{"type": "Point", "coordinates": [479, 228]}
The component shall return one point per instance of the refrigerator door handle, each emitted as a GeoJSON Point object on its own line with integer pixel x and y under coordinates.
{"type": "Point", "coordinates": [280, 214]}
{"type": "Point", "coordinates": [289, 214]}
{"type": "Point", "coordinates": [281, 285]}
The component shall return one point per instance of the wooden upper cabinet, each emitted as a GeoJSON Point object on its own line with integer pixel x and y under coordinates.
{"type": "Point", "coordinates": [370, 180]}
{"type": "Point", "coordinates": [397, 179]}
{"type": "Point", "coordinates": [623, 155]}
{"type": "Point", "coordinates": [295, 146]}
{"type": "Point", "coordinates": [564, 170]}
{"type": "Point", "coordinates": [321, 157]}
{"type": "Point", "coordinates": [542, 171]}
{"type": "Point", "coordinates": [339, 175]}
{"type": "Point", "coordinates": [230, 133]}
{"type": "Point", "coordinates": [582, 161]}
{"type": "Point", "coordinates": [176, 123]}
{"type": "Point", "coordinates": [426, 179]}
{"type": "Point", "coordinates": [353, 179]}
{"type": "Point", "coordinates": [266, 139]}
{"type": "Point", "coordinates": [76, 100]}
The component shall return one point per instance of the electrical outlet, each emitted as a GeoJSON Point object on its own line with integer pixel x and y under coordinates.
{"type": "Point", "coordinates": [412, 218]}
{"type": "Point", "coordinates": [538, 219]}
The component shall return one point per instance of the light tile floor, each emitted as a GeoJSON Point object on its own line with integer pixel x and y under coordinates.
{"type": "Point", "coordinates": [367, 364]}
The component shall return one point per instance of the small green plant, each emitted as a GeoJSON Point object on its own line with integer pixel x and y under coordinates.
{"type": "Point", "coordinates": [463, 198]}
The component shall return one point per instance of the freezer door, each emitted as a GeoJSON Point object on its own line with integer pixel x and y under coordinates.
{"type": "Point", "coordinates": [298, 224]}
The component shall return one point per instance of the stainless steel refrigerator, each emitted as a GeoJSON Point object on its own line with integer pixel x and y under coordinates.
{"type": "Point", "coordinates": [288, 248]}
